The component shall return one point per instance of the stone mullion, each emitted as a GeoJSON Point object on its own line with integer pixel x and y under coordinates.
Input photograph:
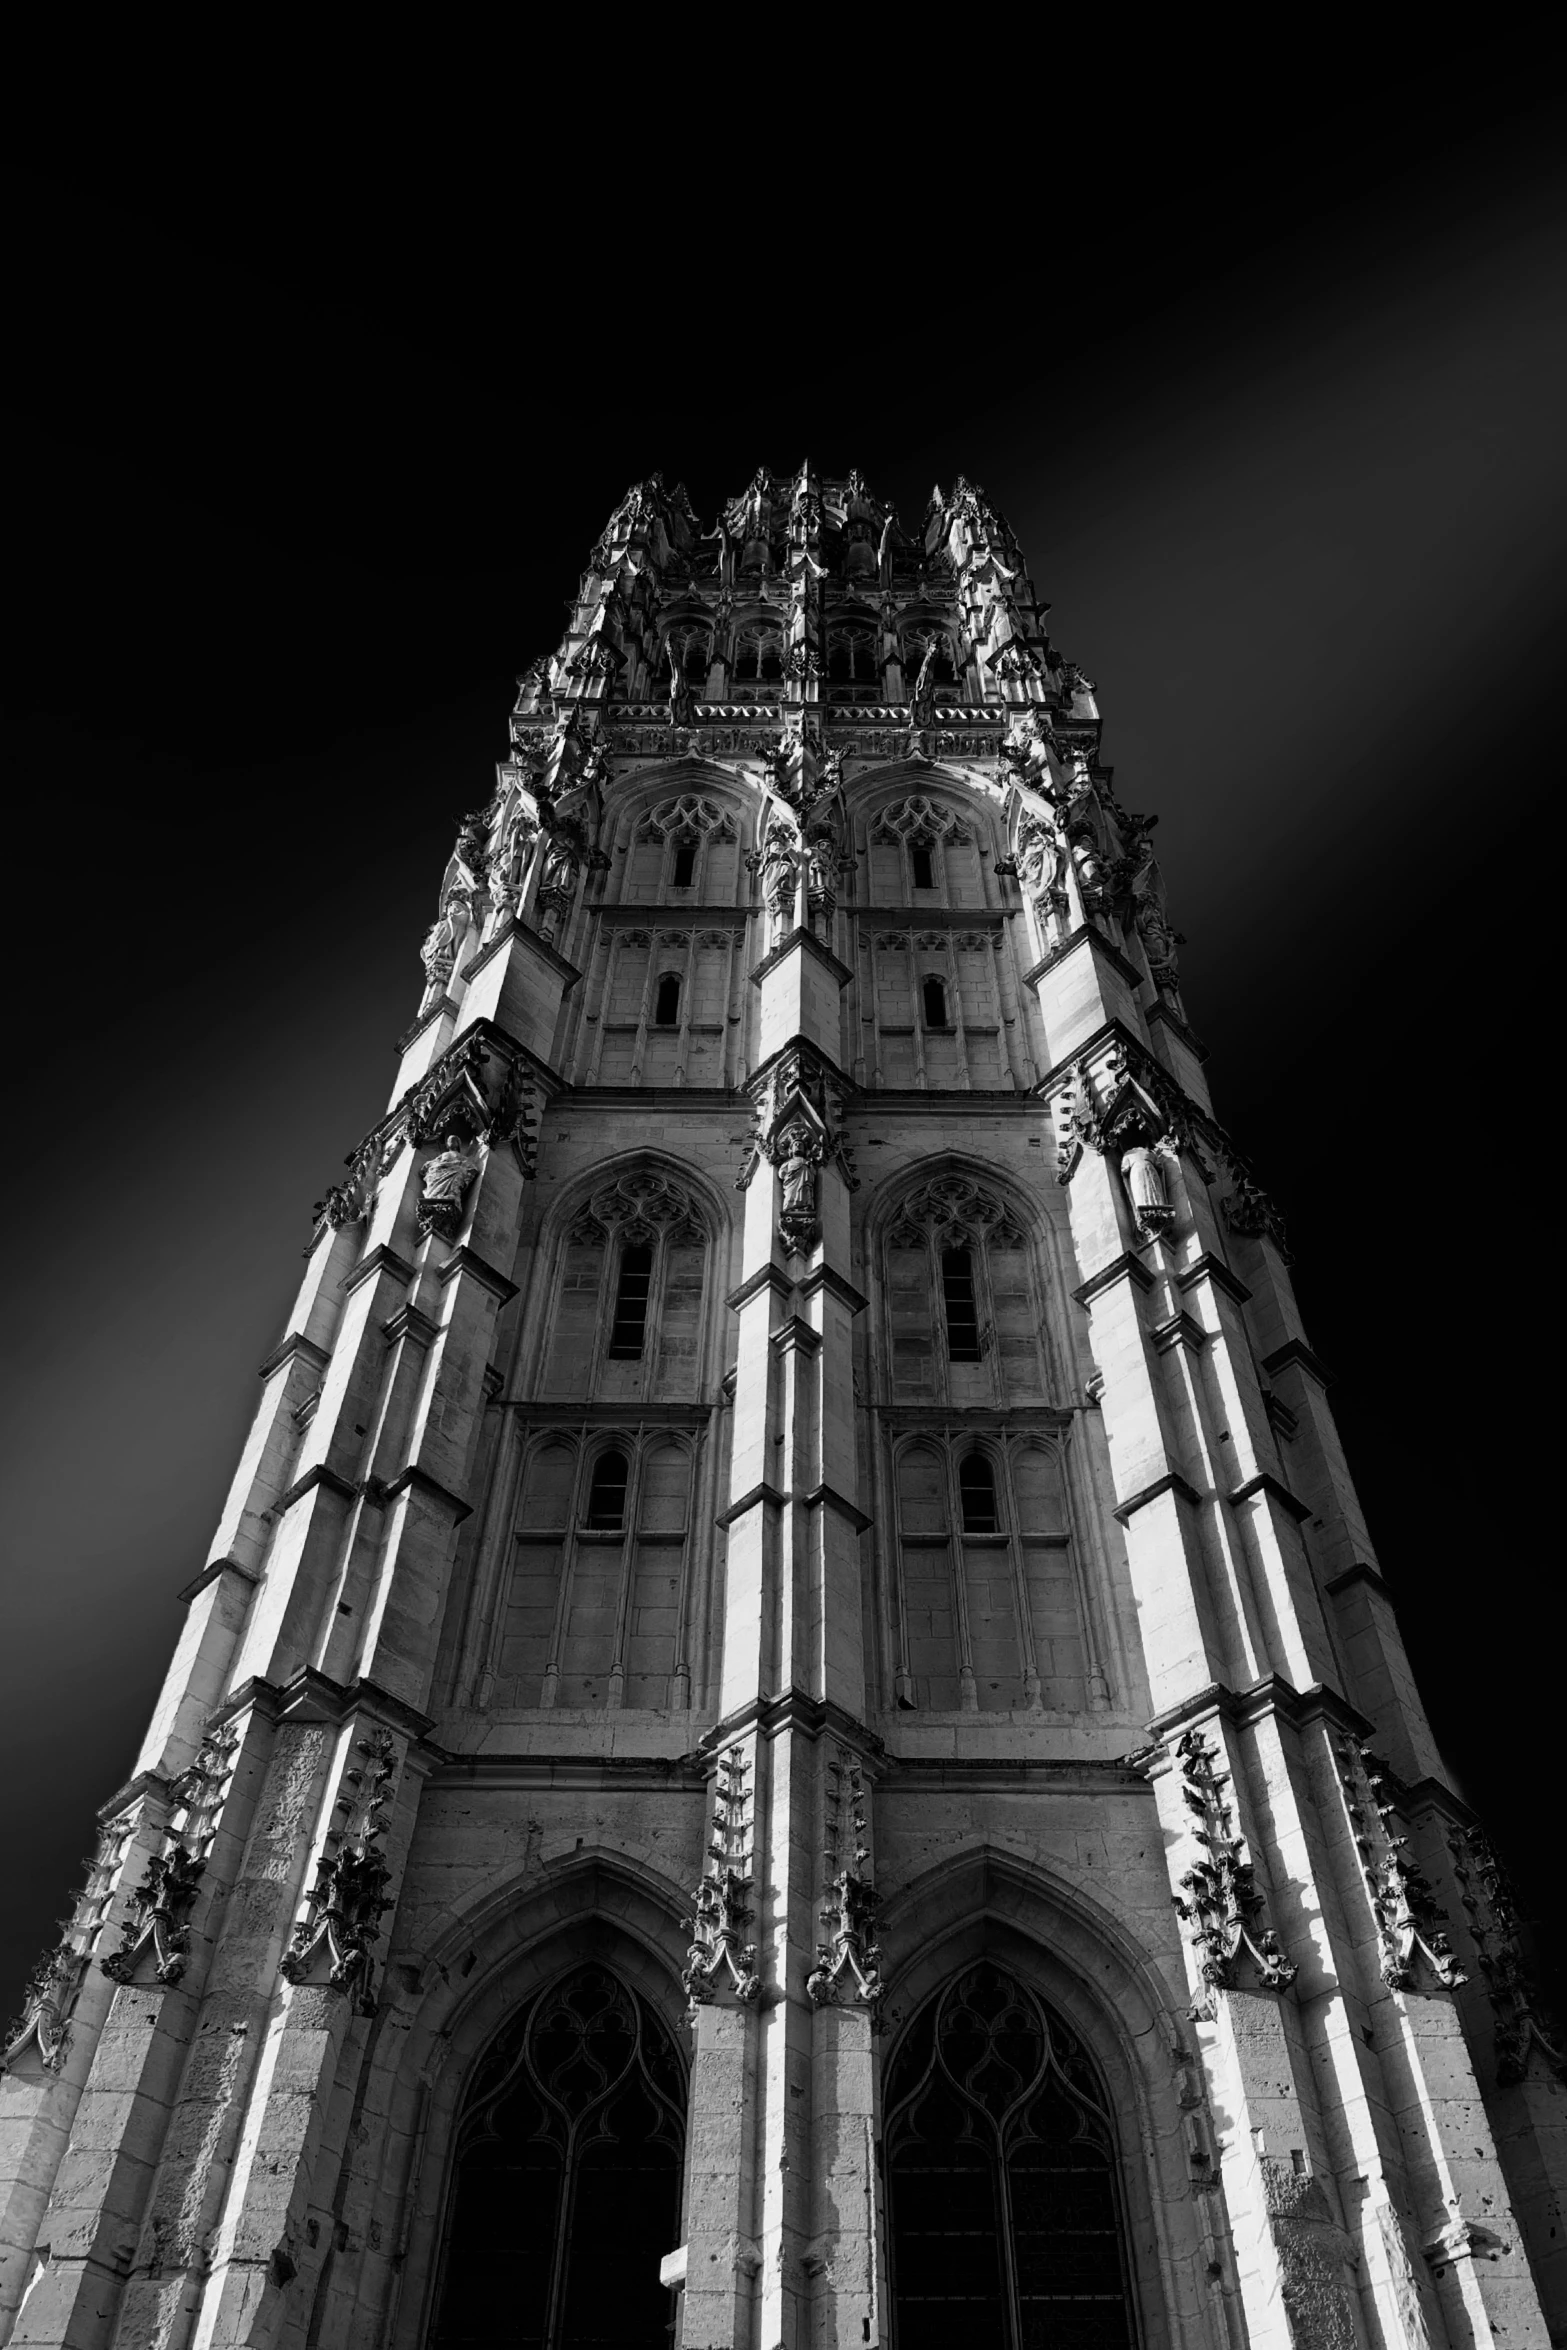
{"type": "Point", "coordinates": [699, 1517]}
{"type": "Point", "coordinates": [1033, 1682]}
{"type": "Point", "coordinates": [954, 985]}
{"type": "Point", "coordinates": [734, 980]}
{"type": "Point", "coordinates": [916, 1006]}
{"type": "Point", "coordinates": [613, 945]}
{"type": "Point", "coordinates": [614, 1692]}
{"type": "Point", "coordinates": [968, 1690]}
{"type": "Point", "coordinates": [576, 1512]}
{"type": "Point", "coordinates": [493, 1567]}
{"type": "Point", "coordinates": [649, 986]}
{"type": "Point", "coordinates": [687, 1006]}
{"type": "Point", "coordinates": [1014, 1028]}
{"type": "Point", "coordinates": [596, 998]}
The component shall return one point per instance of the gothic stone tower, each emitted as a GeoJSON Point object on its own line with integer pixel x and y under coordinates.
{"type": "Point", "coordinates": [791, 1736]}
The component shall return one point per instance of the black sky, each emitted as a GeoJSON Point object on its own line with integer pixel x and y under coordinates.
{"type": "Point", "coordinates": [306, 456]}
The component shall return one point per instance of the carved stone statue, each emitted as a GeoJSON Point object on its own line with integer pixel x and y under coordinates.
{"type": "Point", "coordinates": [681, 705]}
{"type": "Point", "coordinates": [779, 862]}
{"type": "Point", "coordinates": [444, 1184]}
{"type": "Point", "coordinates": [822, 880]}
{"type": "Point", "coordinates": [1143, 1160]}
{"type": "Point", "coordinates": [797, 1153]}
{"type": "Point", "coordinates": [439, 951]}
{"type": "Point", "coordinates": [924, 685]}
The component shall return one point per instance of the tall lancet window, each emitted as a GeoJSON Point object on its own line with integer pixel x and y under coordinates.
{"type": "Point", "coordinates": [565, 2193]}
{"type": "Point", "coordinates": [1004, 2202]}
{"type": "Point", "coordinates": [964, 1316]}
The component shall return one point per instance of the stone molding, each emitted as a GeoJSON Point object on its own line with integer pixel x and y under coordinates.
{"type": "Point", "coordinates": [1171, 1482]}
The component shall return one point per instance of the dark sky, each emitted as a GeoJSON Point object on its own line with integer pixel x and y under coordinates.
{"type": "Point", "coordinates": [306, 456]}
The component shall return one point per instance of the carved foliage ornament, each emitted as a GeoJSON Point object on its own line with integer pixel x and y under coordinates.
{"type": "Point", "coordinates": [719, 1963]}
{"type": "Point", "coordinates": [848, 1961]}
{"type": "Point", "coordinates": [56, 1980]}
{"type": "Point", "coordinates": [1219, 1901]}
{"type": "Point", "coordinates": [477, 1091]}
{"type": "Point", "coordinates": [1416, 1953]}
{"type": "Point", "coordinates": [331, 1942]}
{"type": "Point", "coordinates": [155, 1938]}
{"type": "Point", "coordinates": [1522, 2037]}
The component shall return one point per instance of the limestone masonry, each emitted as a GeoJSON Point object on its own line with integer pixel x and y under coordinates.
{"type": "Point", "coordinates": [791, 1735]}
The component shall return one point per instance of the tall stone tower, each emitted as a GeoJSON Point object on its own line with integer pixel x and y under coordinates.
{"type": "Point", "coordinates": [791, 1736]}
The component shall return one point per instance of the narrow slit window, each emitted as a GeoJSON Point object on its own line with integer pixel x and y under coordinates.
{"type": "Point", "coordinates": [977, 1492]}
{"type": "Point", "coordinates": [607, 1493]}
{"type": "Point", "coordinates": [934, 992]}
{"type": "Point", "coordinates": [666, 1009]}
{"type": "Point", "coordinates": [957, 1290]}
{"type": "Point", "coordinates": [629, 1328]}
{"type": "Point", "coordinates": [924, 869]}
{"type": "Point", "coordinates": [685, 865]}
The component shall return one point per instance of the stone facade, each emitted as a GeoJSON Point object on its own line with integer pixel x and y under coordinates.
{"type": "Point", "coordinates": [794, 1487]}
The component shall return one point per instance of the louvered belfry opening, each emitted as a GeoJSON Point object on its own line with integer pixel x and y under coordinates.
{"type": "Point", "coordinates": [566, 2186]}
{"type": "Point", "coordinates": [1004, 2204]}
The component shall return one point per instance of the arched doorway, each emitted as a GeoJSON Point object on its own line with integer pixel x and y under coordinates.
{"type": "Point", "coordinates": [566, 2182]}
{"type": "Point", "coordinates": [1004, 2207]}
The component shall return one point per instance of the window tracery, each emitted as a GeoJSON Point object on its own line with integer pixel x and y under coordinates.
{"type": "Point", "coordinates": [640, 1243]}
{"type": "Point", "coordinates": [1004, 2205]}
{"type": "Point", "coordinates": [566, 2186]}
{"type": "Point", "coordinates": [759, 656]}
{"type": "Point", "coordinates": [690, 842]}
{"type": "Point", "coordinates": [991, 1350]}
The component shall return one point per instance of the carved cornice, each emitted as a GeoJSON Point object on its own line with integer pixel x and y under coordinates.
{"type": "Point", "coordinates": [465, 1260]}
{"type": "Point", "coordinates": [416, 1480]}
{"type": "Point", "coordinates": [792, 1709]}
{"type": "Point", "coordinates": [807, 943]}
{"type": "Point", "coordinates": [210, 1574]}
{"type": "Point", "coordinates": [1123, 1268]}
{"type": "Point", "coordinates": [1086, 936]}
{"type": "Point", "coordinates": [1266, 1482]}
{"type": "Point", "coordinates": [822, 1277]}
{"type": "Point", "coordinates": [1171, 1482]}
{"type": "Point", "coordinates": [1213, 1269]}
{"type": "Point", "coordinates": [381, 1259]}
{"type": "Point", "coordinates": [524, 935]}
{"type": "Point", "coordinates": [296, 1343]}
{"type": "Point", "coordinates": [1272, 1695]}
{"type": "Point", "coordinates": [826, 1497]}
{"type": "Point", "coordinates": [1296, 1354]}
{"type": "Point", "coordinates": [748, 1501]}
{"type": "Point", "coordinates": [768, 1276]}
{"type": "Point", "coordinates": [1359, 1573]}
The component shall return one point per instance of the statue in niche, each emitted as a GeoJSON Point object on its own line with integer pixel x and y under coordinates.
{"type": "Point", "coordinates": [439, 951]}
{"type": "Point", "coordinates": [681, 705]}
{"type": "Point", "coordinates": [924, 693]}
{"type": "Point", "coordinates": [779, 863]}
{"type": "Point", "coordinates": [797, 1153]}
{"type": "Point", "coordinates": [444, 1184]}
{"type": "Point", "coordinates": [786, 766]}
{"type": "Point", "coordinates": [1144, 1157]}
{"type": "Point", "coordinates": [509, 865]}
{"type": "Point", "coordinates": [822, 879]}
{"type": "Point", "coordinates": [726, 551]}
{"type": "Point", "coordinates": [1159, 944]}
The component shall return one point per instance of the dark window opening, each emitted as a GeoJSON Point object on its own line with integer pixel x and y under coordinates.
{"type": "Point", "coordinates": [1005, 2218]}
{"type": "Point", "coordinates": [934, 993]}
{"type": "Point", "coordinates": [666, 1007]}
{"type": "Point", "coordinates": [567, 2187]}
{"type": "Point", "coordinates": [977, 1492]}
{"type": "Point", "coordinates": [694, 660]}
{"type": "Point", "coordinates": [685, 864]}
{"type": "Point", "coordinates": [957, 1290]}
{"type": "Point", "coordinates": [924, 872]}
{"type": "Point", "coordinates": [607, 1493]}
{"type": "Point", "coordinates": [629, 1327]}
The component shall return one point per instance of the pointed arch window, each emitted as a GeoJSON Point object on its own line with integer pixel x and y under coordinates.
{"type": "Point", "coordinates": [928, 843]}
{"type": "Point", "coordinates": [683, 871]}
{"type": "Point", "coordinates": [977, 1494]}
{"type": "Point", "coordinates": [666, 1004]}
{"type": "Point", "coordinates": [627, 1315]}
{"type": "Point", "coordinates": [964, 1317]}
{"type": "Point", "coordinates": [566, 2184]}
{"type": "Point", "coordinates": [607, 1493]}
{"type": "Point", "coordinates": [1004, 2199]}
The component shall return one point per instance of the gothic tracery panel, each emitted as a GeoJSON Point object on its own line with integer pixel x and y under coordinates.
{"type": "Point", "coordinates": [1004, 2199]}
{"type": "Point", "coordinates": [643, 1212]}
{"type": "Point", "coordinates": [948, 1226]}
